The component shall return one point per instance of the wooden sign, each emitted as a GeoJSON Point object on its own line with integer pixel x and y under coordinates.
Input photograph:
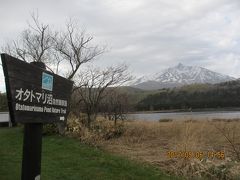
{"type": "Point", "coordinates": [35, 95]}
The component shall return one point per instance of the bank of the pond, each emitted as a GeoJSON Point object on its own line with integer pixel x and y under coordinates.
{"type": "Point", "coordinates": [184, 115]}
{"type": "Point", "coordinates": [225, 109]}
{"type": "Point", "coordinates": [68, 159]}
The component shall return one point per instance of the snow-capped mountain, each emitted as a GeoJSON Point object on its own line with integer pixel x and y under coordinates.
{"type": "Point", "coordinates": [178, 76]}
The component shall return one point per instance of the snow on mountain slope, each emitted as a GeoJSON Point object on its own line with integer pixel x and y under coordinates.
{"type": "Point", "coordinates": [178, 76]}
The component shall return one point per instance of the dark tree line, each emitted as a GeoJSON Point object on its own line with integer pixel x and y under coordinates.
{"type": "Point", "coordinates": [208, 96]}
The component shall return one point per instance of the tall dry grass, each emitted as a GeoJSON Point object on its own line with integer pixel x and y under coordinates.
{"type": "Point", "coordinates": [151, 141]}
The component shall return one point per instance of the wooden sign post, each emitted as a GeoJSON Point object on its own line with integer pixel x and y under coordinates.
{"type": "Point", "coordinates": [35, 96]}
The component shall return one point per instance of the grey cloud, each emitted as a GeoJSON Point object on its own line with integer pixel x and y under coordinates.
{"type": "Point", "coordinates": [149, 35]}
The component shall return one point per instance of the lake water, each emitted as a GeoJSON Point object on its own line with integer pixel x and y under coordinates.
{"type": "Point", "coordinates": [4, 117]}
{"type": "Point", "coordinates": [208, 115]}
{"type": "Point", "coordinates": [186, 115]}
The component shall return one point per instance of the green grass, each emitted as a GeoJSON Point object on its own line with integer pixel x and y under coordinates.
{"type": "Point", "coordinates": [67, 159]}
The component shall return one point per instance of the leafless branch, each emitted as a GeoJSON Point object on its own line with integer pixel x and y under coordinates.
{"type": "Point", "coordinates": [92, 85]}
{"type": "Point", "coordinates": [75, 47]}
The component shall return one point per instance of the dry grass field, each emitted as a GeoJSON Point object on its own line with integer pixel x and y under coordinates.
{"type": "Point", "coordinates": [208, 149]}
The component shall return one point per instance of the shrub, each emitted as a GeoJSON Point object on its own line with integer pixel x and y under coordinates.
{"type": "Point", "coordinates": [107, 130]}
{"type": "Point", "coordinates": [101, 129]}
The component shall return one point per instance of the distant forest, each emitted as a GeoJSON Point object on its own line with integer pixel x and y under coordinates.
{"type": "Point", "coordinates": [194, 96]}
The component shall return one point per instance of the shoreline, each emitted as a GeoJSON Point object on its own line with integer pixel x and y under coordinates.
{"type": "Point", "coordinates": [188, 110]}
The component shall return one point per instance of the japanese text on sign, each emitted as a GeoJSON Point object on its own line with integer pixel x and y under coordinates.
{"type": "Point", "coordinates": [27, 95]}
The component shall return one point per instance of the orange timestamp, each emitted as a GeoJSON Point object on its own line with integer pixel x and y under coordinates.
{"type": "Point", "coordinates": [196, 154]}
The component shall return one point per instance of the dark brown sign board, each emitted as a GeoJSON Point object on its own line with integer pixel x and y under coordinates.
{"type": "Point", "coordinates": [35, 95]}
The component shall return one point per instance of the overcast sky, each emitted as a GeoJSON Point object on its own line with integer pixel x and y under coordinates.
{"type": "Point", "coordinates": [148, 35]}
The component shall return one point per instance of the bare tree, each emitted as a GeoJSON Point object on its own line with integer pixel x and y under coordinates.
{"type": "Point", "coordinates": [71, 47]}
{"type": "Point", "coordinates": [115, 105]}
{"type": "Point", "coordinates": [35, 43]}
{"type": "Point", "coordinates": [92, 85]}
{"type": "Point", "coordinates": [76, 48]}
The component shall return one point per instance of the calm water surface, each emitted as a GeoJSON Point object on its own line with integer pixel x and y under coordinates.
{"type": "Point", "coordinates": [4, 117]}
{"type": "Point", "coordinates": [208, 115]}
{"type": "Point", "coordinates": [186, 115]}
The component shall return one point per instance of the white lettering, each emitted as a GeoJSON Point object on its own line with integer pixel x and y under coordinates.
{"type": "Point", "coordinates": [55, 110]}
{"type": "Point", "coordinates": [23, 107]}
{"type": "Point", "coordinates": [63, 111]}
{"type": "Point", "coordinates": [46, 109]}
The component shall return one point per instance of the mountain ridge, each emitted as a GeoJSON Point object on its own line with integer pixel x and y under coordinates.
{"type": "Point", "coordinates": [180, 75]}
